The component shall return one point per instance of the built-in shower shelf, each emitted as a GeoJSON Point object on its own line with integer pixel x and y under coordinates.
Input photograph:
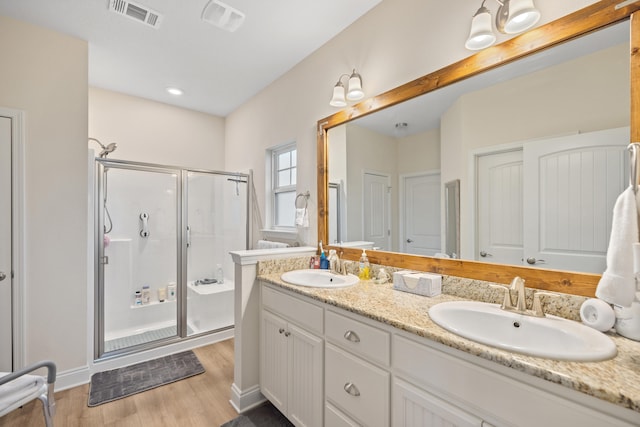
{"type": "Point", "coordinates": [213, 288]}
{"type": "Point", "coordinates": [152, 303]}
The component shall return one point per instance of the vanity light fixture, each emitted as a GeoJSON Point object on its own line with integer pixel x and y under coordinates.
{"type": "Point", "coordinates": [354, 90]}
{"type": "Point", "coordinates": [513, 16]}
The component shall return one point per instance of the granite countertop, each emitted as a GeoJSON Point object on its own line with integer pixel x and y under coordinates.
{"type": "Point", "coordinates": [616, 380]}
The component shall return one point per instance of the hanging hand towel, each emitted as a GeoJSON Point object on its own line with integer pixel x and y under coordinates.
{"type": "Point", "coordinates": [302, 217]}
{"type": "Point", "coordinates": [617, 285]}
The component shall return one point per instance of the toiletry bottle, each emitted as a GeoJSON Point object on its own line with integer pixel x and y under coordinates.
{"type": "Point", "coordinates": [146, 295]}
{"type": "Point", "coordinates": [312, 262]}
{"type": "Point", "coordinates": [171, 291]}
{"type": "Point", "coordinates": [324, 262]}
{"type": "Point", "coordinates": [363, 272]}
{"type": "Point", "coordinates": [162, 294]}
{"type": "Point", "coordinates": [219, 274]}
{"type": "Point", "coordinates": [138, 298]}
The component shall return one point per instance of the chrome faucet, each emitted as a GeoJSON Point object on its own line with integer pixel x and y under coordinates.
{"type": "Point", "coordinates": [336, 264]}
{"type": "Point", "coordinates": [517, 284]}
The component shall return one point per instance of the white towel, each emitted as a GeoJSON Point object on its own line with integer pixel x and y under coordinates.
{"type": "Point", "coordinates": [267, 244]}
{"type": "Point", "coordinates": [617, 285]}
{"type": "Point", "coordinates": [302, 217]}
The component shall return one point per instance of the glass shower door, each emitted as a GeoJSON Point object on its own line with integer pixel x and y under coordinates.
{"type": "Point", "coordinates": [216, 212]}
{"type": "Point", "coordinates": [138, 250]}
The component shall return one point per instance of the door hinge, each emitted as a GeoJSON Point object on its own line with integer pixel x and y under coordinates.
{"type": "Point", "coordinates": [104, 260]}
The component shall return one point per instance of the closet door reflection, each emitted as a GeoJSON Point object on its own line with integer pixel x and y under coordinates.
{"type": "Point", "coordinates": [139, 219]}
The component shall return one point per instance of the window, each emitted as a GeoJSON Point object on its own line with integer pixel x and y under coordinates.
{"type": "Point", "coordinates": [283, 185]}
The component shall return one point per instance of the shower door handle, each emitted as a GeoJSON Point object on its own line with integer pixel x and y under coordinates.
{"type": "Point", "coordinates": [144, 220]}
{"type": "Point", "coordinates": [188, 236]}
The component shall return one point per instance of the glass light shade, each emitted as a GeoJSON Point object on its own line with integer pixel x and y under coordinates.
{"type": "Point", "coordinates": [355, 91]}
{"type": "Point", "coordinates": [338, 96]}
{"type": "Point", "coordinates": [481, 35]}
{"type": "Point", "coordinates": [522, 16]}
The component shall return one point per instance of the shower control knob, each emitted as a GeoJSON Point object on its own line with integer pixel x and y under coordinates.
{"type": "Point", "coordinates": [2, 276]}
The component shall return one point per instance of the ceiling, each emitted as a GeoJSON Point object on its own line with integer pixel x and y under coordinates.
{"type": "Point", "coordinates": [217, 70]}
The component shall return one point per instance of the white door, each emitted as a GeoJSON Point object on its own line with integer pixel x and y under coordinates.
{"type": "Point", "coordinates": [499, 208]}
{"type": "Point", "coordinates": [376, 208]}
{"type": "Point", "coordinates": [568, 225]}
{"type": "Point", "coordinates": [6, 346]}
{"type": "Point", "coordinates": [421, 214]}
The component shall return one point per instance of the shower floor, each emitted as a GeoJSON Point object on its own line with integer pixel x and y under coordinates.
{"type": "Point", "coordinates": [141, 338]}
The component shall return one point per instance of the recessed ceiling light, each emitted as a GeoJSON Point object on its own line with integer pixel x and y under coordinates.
{"type": "Point", "coordinates": [175, 91]}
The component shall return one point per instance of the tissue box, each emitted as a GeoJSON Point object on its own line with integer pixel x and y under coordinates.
{"type": "Point", "coordinates": [427, 284]}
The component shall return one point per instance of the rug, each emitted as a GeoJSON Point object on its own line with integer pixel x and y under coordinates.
{"type": "Point", "coordinates": [111, 385]}
{"type": "Point", "coordinates": [262, 416]}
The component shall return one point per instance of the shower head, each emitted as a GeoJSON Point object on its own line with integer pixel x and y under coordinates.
{"type": "Point", "coordinates": [110, 148]}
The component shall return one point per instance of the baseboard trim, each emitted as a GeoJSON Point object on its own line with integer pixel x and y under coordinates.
{"type": "Point", "coordinates": [243, 400]}
{"type": "Point", "coordinates": [72, 378]}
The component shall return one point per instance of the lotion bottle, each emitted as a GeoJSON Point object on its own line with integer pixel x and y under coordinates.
{"type": "Point", "coordinates": [364, 266]}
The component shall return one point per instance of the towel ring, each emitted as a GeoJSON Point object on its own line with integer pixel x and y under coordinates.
{"type": "Point", "coordinates": [306, 196]}
{"type": "Point", "coordinates": [633, 165]}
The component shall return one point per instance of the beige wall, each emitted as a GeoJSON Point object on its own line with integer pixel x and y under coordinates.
{"type": "Point", "coordinates": [395, 42]}
{"type": "Point", "coordinates": [153, 132]}
{"type": "Point", "coordinates": [419, 153]}
{"type": "Point", "coordinates": [44, 74]}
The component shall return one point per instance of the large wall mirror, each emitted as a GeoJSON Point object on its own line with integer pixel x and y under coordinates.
{"type": "Point", "coordinates": [533, 137]}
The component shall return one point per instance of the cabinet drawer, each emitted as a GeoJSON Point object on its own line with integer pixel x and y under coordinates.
{"type": "Point", "coordinates": [368, 341]}
{"type": "Point", "coordinates": [305, 314]}
{"type": "Point", "coordinates": [358, 387]}
{"type": "Point", "coordinates": [334, 418]}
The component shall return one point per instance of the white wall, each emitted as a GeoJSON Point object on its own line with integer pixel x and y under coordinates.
{"type": "Point", "coordinates": [44, 73]}
{"type": "Point", "coordinates": [153, 132]}
{"type": "Point", "coordinates": [395, 42]}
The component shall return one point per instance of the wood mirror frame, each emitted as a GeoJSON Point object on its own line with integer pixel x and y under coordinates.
{"type": "Point", "coordinates": [591, 18]}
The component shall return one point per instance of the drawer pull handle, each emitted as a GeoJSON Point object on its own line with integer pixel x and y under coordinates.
{"type": "Point", "coordinates": [281, 330]}
{"type": "Point", "coordinates": [352, 389]}
{"type": "Point", "coordinates": [351, 336]}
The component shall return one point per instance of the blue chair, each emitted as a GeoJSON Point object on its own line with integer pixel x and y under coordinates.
{"type": "Point", "coordinates": [20, 387]}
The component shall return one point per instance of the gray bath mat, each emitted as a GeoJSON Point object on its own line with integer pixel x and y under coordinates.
{"type": "Point", "coordinates": [263, 416]}
{"type": "Point", "coordinates": [111, 385]}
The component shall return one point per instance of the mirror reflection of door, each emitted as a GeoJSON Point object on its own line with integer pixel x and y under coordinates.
{"type": "Point", "coordinates": [421, 214]}
{"type": "Point", "coordinates": [499, 208]}
{"type": "Point", "coordinates": [6, 347]}
{"type": "Point", "coordinates": [377, 209]}
{"type": "Point", "coordinates": [577, 180]}
{"type": "Point", "coordinates": [543, 205]}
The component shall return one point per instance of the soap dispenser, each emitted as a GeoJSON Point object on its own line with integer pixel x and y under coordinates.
{"type": "Point", "coordinates": [364, 266]}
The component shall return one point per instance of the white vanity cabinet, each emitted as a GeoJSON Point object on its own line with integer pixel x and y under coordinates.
{"type": "Point", "coordinates": [357, 377]}
{"type": "Point", "coordinates": [321, 365]}
{"type": "Point", "coordinates": [291, 357]}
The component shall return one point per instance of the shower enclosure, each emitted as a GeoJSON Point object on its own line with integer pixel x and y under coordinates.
{"type": "Point", "coordinates": [163, 269]}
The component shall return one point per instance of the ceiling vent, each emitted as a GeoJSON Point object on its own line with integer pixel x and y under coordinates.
{"type": "Point", "coordinates": [136, 12]}
{"type": "Point", "coordinates": [222, 15]}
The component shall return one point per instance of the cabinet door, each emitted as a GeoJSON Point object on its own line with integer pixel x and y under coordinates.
{"type": "Point", "coordinates": [305, 397]}
{"type": "Point", "coordinates": [413, 407]}
{"type": "Point", "coordinates": [273, 360]}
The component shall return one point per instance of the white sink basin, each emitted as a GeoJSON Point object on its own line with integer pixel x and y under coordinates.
{"type": "Point", "coordinates": [319, 279]}
{"type": "Point", "coordinates": [549, 337]}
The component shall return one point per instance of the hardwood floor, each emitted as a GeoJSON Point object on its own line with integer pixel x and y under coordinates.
{"type": "Point", "coordinates": [198, 401]}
